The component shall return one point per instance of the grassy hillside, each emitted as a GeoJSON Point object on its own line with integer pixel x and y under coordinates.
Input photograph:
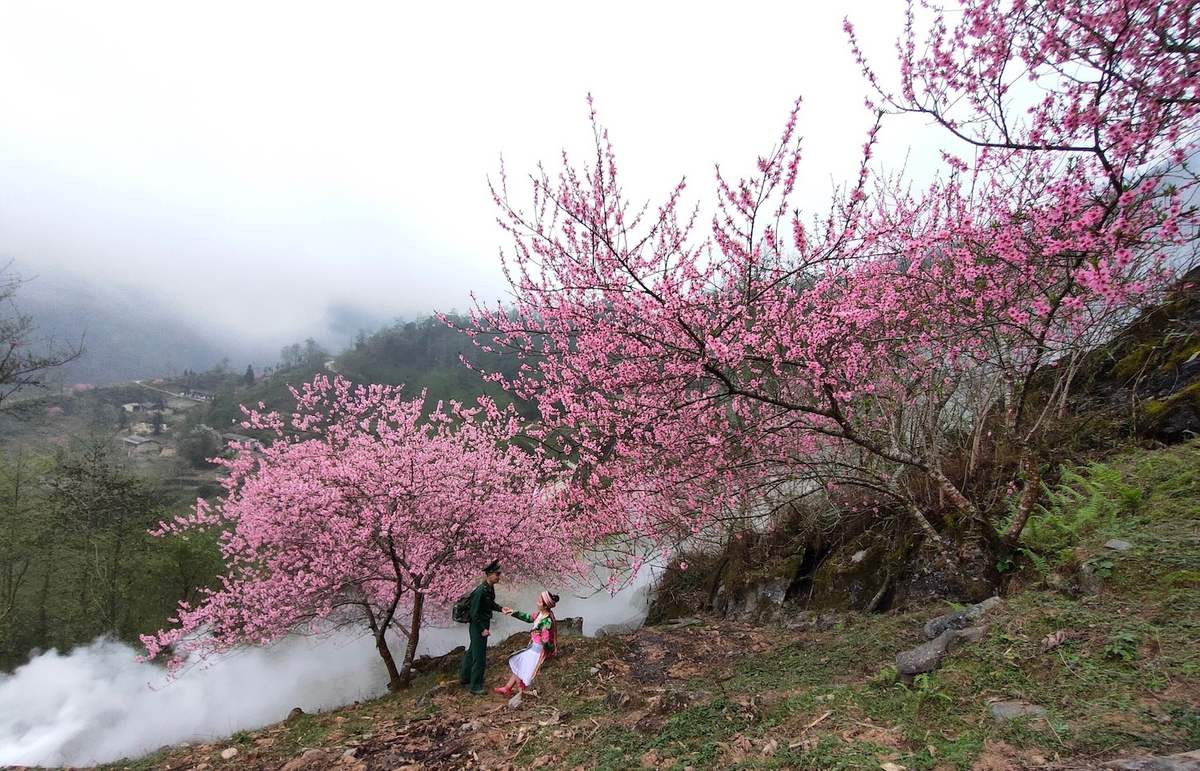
{"type": "Point", "coordinates": [821, 692]}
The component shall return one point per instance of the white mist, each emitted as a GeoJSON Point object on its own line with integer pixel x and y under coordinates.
{"type": "Point", "coordinates": [97, 704]}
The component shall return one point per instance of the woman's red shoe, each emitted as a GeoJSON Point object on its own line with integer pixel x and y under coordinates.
{"type": "Point", "coordinates": [502, 690]}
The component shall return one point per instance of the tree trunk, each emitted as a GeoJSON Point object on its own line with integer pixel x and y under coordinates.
{"type": "Point", "coordinates": [1029, 496]}
{"type": "Point", "coordinates": [394, 681]}
{"type": "Point", "coordinates": [715, 585]}
{"type": "Point", "coordinates": [414, 633]}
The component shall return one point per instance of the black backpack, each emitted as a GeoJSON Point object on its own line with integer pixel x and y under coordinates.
{"type": "Point", "coordinates": [462, 608]}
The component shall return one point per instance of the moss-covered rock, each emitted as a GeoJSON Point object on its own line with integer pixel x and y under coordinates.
{"type": "Point", "coordinates": [1175, 418]}
{"type": "Point", "coordinates": [1153, 365]}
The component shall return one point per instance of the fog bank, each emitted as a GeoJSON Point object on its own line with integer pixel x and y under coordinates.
{"type": "Point", "coordinates": [97, 704]}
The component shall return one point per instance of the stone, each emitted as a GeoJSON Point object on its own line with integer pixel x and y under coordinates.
{"type": "Point", "coordinates": [1185, 761]}
{"type": "Point", "coordinates": [925, 657]}
{"type": "Point", "coordinates": [1015, 708]}
{"type": "Point", "coordinates": [610, 630]}
{"type": "Point", "coordinates": [971, 634]}
{"type": "Point", "coordinates": [1116, 544]}
{"type": "Point", "coordinates": [960, 619]}
{"type": "Point", "coordinates": [858, 556]}
{"type": "Point", "coordinates": [570, 627]}
{"type": "Point", "coordinates": [679, 623]}
{"type": "Point", "coordinates": [620, 699]}
{"type": "Point", "coordinates": [968, 573]}
{"type": "Point", "coordinates": [1089, 582]}
{"type": "Point", "coordinates": [928, 656]}
{"type": "Point", "coordinates": [756, 603]}
{"type": "Point", "coordinates": [311, 759]}
{"type": "Point", "coordinates": [294, 715]}
{"type": "Point", "coordinates": [515, 701]}
{"type": "Point", "coordinates": [229, 753]}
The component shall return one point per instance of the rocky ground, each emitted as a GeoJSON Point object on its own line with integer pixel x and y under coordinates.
{"type": "Point", "coordinates": [1094, 662]}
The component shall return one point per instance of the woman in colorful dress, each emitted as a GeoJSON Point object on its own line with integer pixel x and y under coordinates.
{"type": "Point", "coordinates": [526, 663]}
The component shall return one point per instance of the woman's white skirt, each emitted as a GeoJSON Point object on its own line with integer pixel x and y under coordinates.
{"type": "Point", "coordinates": [525, 663]}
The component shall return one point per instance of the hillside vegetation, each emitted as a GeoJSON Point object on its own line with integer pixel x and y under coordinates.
{"type": "Point", "coordinates": [1113, 662]}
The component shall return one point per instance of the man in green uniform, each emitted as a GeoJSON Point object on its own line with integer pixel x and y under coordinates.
{"type": "Point", "coordinates": [483, 604]}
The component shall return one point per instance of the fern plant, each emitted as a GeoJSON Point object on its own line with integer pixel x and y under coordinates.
{"type": "Point", "coordinates": [1085, 500]}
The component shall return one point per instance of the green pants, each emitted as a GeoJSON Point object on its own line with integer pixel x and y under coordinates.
{"type": "Point", "coordinates": [475, 660]}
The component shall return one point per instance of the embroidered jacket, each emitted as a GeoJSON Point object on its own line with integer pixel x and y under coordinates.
{"type": "Point", "coordinates": [543, 629]}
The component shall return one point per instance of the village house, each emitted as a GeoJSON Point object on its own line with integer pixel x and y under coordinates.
{"type": "Point", "coordinates": [141, 446]}
{"type": "Point", "coordinates": [250, 442]}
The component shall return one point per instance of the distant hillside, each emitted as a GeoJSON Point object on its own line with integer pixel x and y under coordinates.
{"type": "Point", "coordinates": [417, 354]}
{"type": "Point", "coordinates": [126, 332]}
{"type": "Point", "coordinates": [425, 354]}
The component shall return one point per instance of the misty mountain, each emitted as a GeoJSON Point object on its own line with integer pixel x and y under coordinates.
{"type": "Point", "coordinates": [126, 331]}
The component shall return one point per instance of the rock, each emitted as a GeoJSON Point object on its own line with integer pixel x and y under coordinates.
{"type": "Point", "coordinates": [960, 619]}
{"type": "Point", "coordinates": [858, 556]}
{"type": "Point", "coordinates": [229, 753]}
{"type": "Point", "coordinates": [570, 627]}
{"type": "Point", "coordinates": [350, 753]}
{"type": "Point", "coordinates": [754, 603]}
{"type": "Point", "coordinates": [679, 623]}
{"type": "Point", "coordinates": [1014, 708]}
{"type": "Point", "coordinates": [1116, 544]}
{"type": "Point", "coordinates": [1186, 761]}
{"type": "Point", "coordinates": [294, 715]}
{"type": "Point", "coordinates": [620, 699]}
{"type": "Point", "coordinates": [799, 620]}
{"type": "Point", "coordinates": [311, 759]}
{"type": "Point", "coordinates": [1089, 582]}
{"type": "Point", "coordinates": [971, 634]}
{"type": "Point", "coordinates": [925, 657]}
{"type": "Point", "coordinates": [609, 630]}
{"type": "Point", "coordinates": [928, 656]}
{"type": "Point", "coordinates": [968, 573]}
{"type": "Point", "coordinates": [515, 701]}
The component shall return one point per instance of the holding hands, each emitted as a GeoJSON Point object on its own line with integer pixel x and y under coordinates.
{"type": "Point", "coordinates": [506, 611]}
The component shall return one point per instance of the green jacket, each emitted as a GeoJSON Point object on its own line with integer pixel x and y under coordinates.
{"type": "Point", "coordinates": [483, 604]}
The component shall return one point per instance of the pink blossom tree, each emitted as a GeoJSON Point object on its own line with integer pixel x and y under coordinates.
{"type": "Point", "coordinates": [873, 346]}
{"type": "Point", "coordinates": [360, 513]}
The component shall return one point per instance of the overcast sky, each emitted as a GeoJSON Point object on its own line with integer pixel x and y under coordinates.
{"type": "Point", "coordinates": [264, 165]}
